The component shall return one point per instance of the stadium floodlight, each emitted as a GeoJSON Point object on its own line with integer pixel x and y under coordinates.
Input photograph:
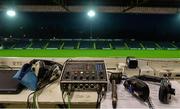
{"type": "Point", "coordinates": [11, 13]}
{"type": "Point", "coordinates": [91, 13]}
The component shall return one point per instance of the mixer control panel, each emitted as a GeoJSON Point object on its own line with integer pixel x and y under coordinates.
{"type": "Point", "coordinates": [84, 75]}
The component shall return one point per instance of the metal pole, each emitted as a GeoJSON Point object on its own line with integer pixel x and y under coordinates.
{"type": "Point", "coordinates": [91, 34]}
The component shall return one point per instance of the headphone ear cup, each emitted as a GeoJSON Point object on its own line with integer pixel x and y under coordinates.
{"type": "Point", "coordinates": [41, 71]}
{"type": "Point", "coordinates": [163, 94]}
{"type": "Point", "coordinates": [56, 72]}
{"type": "Point", "coordinates": [47, 76]}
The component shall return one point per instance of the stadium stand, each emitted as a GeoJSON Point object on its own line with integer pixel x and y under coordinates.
{"type": "Point", "coordinates": [149, 45]}
{"type": "Point", "coordinates": [102, 45]}
{"type": "Point", "coordinates": [9, 44]}
{"type": "Point", "coordinates": [54, 44]}
{"type": "Point", "coordinates": [86, 45]}
{"type": "Point", "coordinates": [133, 45]}
{"type": "Point", "coordinates": [118, 45]}
{"type": "Point", "coordinates": [166, 46]}
{"type": "Point", "coordinates": [177, 44]}
{"type": "Point", "coordinates": [38, 44]}
{"type": "Point", "coordinates": [1, 45]}
{"type": "Point", "coordinates": [70, 45]}
{"type": "Point", "coordinates": [22, 44]}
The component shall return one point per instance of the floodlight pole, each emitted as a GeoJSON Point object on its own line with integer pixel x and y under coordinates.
{"type": "Point", "coordinates": [91, 30]}
{"type": "Point", "coordinates": [91, 14]}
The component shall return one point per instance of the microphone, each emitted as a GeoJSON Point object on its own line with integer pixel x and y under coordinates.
{"type": "Point", "coordinates": [115, 78]}
{"type": "Point", "coordinates": [114, 94]}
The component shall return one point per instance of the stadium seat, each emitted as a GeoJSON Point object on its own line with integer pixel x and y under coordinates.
{"type": "Point", "coordinates": [1, 47]}
{"type": "Point", "coordinates": [38, 44]}
{"type": "Point", "coordinates": [102, 45]}
{"type": "Point", "coordinates": [149, 45]}
{"type": "Point", "coordinates": [86, 45]}
{"type": "Point", "coordinates": [54, 44]}
{"type": "Point", "coordinates": [70, 45]}
{"type": "Point", "coordinates": [8, 44]}
{"type": "Point", "coordinates": [22, 44]}
{"type": "Point", "coordinates": [177, 44]}
{"type": "Point", "coordinates": [166, 46]}
{"type": "Point", "coordinates": [133, 45]}
{"type": "Point", "coordinates": [118, 44]}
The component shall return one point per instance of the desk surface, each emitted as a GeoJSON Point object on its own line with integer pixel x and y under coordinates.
{"type": "Point", "coordinates": [127, 100]}
{"type": "Point", "coordinates": [52, 93]}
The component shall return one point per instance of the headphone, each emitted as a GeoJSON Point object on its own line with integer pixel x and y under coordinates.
{"type": "Point", "coordinates": [138, 88]}
{"type": "Point", "coordinates": [36, 74]}
{"type": "Point", "coordinates": [136, 84]}
{"type": "Point", "coordinates": [46, 71]}
{"type": "Point", "coordinates": [165, 91]}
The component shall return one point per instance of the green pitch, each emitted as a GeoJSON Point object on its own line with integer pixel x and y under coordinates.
{"type": "Point", "coordinates": [92, 53]}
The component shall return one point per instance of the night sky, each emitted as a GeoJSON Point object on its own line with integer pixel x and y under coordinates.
{"type": "Point", "coordinates": [104, 25]}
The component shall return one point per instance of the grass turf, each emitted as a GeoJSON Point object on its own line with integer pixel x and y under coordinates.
{"type": "Point", "coordinates": [92, 53]}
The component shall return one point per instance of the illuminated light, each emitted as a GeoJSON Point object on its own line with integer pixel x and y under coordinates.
{"type": "Point", "coordinates": [11, 13]}
{"type": "Point", "coordinates": [91, 13]}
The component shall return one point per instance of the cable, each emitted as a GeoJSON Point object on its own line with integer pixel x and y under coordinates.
{"type": "Point", "coordinates": [6, 66]}
{"type": "Point", "coordinates": [69, 92]}
{"type": "Point", "coordinates": [66, 62]}
{"type": "Point", "coordinates": [41, 87]}
{"type": "Point", "coordinates": [97, 102]}
{"type": "Point", "coordinates": [124, 77]}
{"type": "Point", "coordinates": [41, 84]}
{"type": "Point", "coordinates": [34, 100]}
{"type": "Point", "coordinates": [29, 105]}
{"type": "Point", "coordinates": [63, 99]}
{"type": "Point", "coordinates": [28, 102]}
{"type": "Point", "coordinates": [69, 101]}
{"type": "Point", "coordinates": [150, 104]}
{"type": "Point", "coordinates": [99, 98]}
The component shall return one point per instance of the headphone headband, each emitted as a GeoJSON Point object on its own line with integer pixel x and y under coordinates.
{"type": "Point", "coordinates": [46, 62]}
